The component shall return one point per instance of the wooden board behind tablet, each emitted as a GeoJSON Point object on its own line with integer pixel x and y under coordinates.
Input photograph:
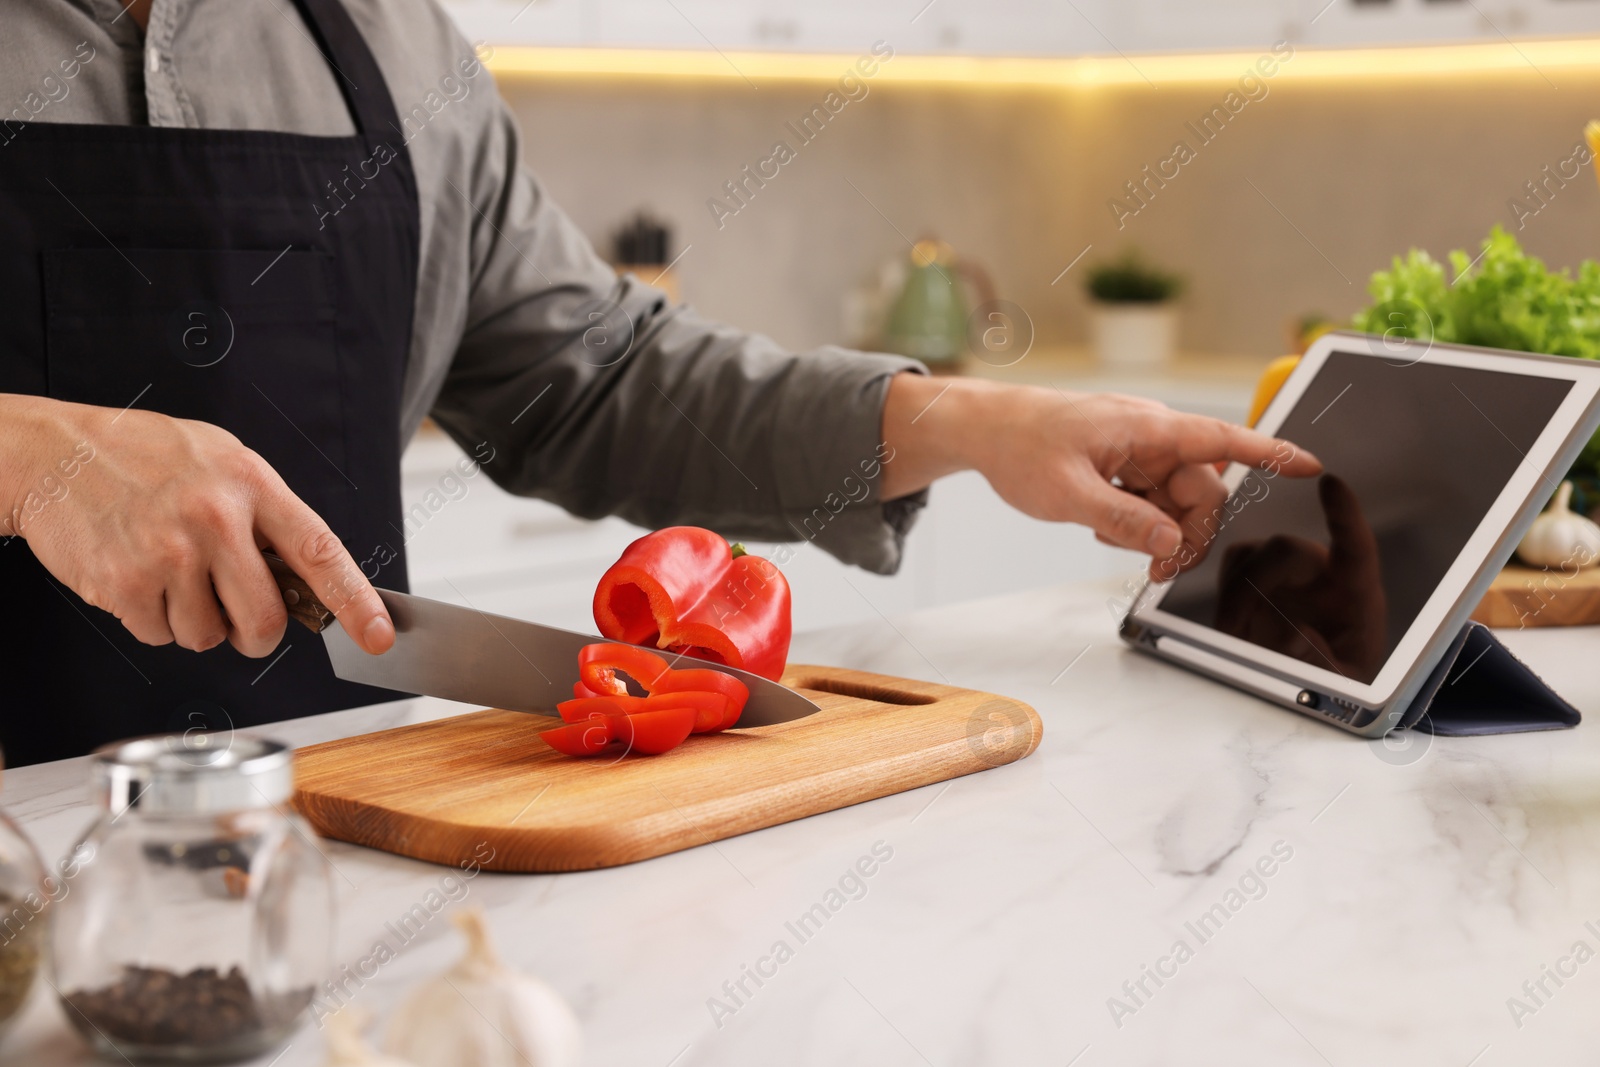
{"type": "Point", "coordinates": [1523, 597]}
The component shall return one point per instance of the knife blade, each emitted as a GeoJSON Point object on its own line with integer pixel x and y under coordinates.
{"type": "Point", "coordinates": [461, 653]}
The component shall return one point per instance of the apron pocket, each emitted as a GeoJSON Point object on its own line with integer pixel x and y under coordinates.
{"type": "Point", "coordinates": [243, 339]}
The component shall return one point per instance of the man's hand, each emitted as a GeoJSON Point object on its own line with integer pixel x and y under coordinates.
{"type": "Point", "coordinates": [163, 525]}
{"type": "Point", "coordinates": [1140, 475]}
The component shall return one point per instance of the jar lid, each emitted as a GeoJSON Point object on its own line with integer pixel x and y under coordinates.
{"type": "Point", "coordinates": [193, 773]}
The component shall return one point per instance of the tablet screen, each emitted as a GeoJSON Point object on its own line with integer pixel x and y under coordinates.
{"type": "Point", "coordinates": [1334, 570]}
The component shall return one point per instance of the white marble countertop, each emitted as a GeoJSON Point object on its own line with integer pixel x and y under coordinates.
{"type": "Point", "coordinates": [1413, 891]}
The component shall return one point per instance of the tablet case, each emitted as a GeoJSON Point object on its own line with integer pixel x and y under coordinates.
{"type": "Point", "coordinates": [1479, 687]}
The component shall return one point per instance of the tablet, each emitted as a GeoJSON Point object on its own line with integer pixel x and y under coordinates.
{"type": "Point", "coordinates": [1336, 595]}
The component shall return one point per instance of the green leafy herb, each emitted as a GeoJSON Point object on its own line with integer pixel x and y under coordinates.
{"type": "Point", "coordinates": [1503, 298]}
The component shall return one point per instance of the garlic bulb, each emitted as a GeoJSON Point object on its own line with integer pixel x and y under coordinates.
{"type": "Point", "coordinates": [481, 1013]}
{"type": "Point", "coordinates": [1561, 537]}
{"type": "Point", "coordinates": [346, 1046]}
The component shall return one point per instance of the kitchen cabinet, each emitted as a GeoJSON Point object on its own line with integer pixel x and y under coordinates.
{"type": "Point", "coordinates": [534, 22]}
{"type": "Point", "coordinates": [1012, 27]}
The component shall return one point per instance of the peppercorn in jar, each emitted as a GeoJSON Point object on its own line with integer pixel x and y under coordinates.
{"type": "Point", "coordinates": [202, 920]}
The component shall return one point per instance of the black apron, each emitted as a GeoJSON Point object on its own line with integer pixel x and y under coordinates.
{"type": "Point", "coordinates": [263, 282]}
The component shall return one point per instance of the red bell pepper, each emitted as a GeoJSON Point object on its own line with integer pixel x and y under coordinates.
{"type": "Point", "coordinates": [686, 590]}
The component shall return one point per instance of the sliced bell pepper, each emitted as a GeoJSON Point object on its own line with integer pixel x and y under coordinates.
{"type": "Point", "coordinates": [711, 709]}
{"type": "Point", "coordinates": [694, 681]}
{"type": "Point", "coordinates": [648, 732]}
{"type": "Point", "coordinates": [686, 590]}
{"type": "Point", "coordinates": [604, 717]}
{"type": "Point", "coordinates": [599, 666]}
{"type": "Point", "coordinates": [582, 709]}
{"type": "Point", "coordinates": [580, 739]}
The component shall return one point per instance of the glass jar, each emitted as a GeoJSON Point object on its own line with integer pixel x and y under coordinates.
{"type": "Point", "coordinates": [200, 919]}
{"type": "Point", "coordinates": [24, 915]}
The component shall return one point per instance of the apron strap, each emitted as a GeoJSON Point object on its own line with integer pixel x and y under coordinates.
{"type": "Point", "coordinates": [354, 67]}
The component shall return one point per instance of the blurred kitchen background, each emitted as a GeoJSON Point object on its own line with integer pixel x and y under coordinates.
{"type": "Point", "coordinates": [999, 142]}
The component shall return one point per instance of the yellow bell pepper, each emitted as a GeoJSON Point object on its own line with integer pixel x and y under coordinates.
{"type": "Point", "coordinates": [1272, 380]}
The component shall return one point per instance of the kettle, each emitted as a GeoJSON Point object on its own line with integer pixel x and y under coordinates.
{"type": "Point", "coordinates": [929, 318]}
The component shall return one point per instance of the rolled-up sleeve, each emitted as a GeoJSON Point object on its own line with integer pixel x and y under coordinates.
{"type": "Point", "coordinates": [597, 394]}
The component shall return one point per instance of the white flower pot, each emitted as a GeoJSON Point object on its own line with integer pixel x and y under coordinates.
{"type": "Point", "coordinates": [1134, 335]}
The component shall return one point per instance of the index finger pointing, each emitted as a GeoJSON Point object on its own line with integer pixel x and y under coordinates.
{"type": "Point", "coordinates": [304, 542]}
{"type": "Point", "coordinates": [1199, 439]}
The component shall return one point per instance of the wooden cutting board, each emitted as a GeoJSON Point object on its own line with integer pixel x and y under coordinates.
{"type": "Point", "coordinates": [1523, 596]}
{"type": "Point", "coordinates": [483, 785]}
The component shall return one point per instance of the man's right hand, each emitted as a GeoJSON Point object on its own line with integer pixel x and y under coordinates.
{"type": "Point", "coordinates": [165, 524]}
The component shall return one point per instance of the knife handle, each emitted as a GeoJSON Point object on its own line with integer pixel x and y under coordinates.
{"type": "Point", "coordinates": [303, 605]}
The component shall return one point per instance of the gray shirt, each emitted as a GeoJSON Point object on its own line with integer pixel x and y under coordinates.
{"type": "Point", "coordinates": [593, 392]}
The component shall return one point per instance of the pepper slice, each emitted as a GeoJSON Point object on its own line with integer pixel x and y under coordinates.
{"type": "Point", "coordinates": [697, 680]}
{"type": "Point", "coordinates": [710, 709]}
{"type": "Point", "coordinates": [648, 732]}
{"type": "Point", "coordinates": [599, 663]}
{"type": "Point", "coordinates": [599, 666]}
{"type": "Point", "coordinates": [686, 590]}
{"type": "Point", "coordinates": [579, 739]}
{"type": "Point", "coordinates": [653, 732]}
{"type": "Point", "coordinates": [582, 709]}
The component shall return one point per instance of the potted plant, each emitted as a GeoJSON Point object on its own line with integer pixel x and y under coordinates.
{"type": "Point", "coordinates": [1133, 320]}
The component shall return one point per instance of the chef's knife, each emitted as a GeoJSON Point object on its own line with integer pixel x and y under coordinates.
{"type": "Point", "coordinates": [463, 654]}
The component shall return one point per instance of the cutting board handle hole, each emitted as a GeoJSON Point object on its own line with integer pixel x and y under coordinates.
{"type": "Point", "coordinates": [864, 691]}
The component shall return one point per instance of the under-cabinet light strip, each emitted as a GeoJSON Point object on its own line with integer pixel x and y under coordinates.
{"type": "Point", "coordinates": [1530, 58]}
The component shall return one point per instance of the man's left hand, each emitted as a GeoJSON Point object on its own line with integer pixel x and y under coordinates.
{"type": "Point", "coordinates": [1142, 476]}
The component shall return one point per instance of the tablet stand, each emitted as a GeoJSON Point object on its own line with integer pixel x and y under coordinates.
{"type": "Point", "coordinates": [1479, 687]}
